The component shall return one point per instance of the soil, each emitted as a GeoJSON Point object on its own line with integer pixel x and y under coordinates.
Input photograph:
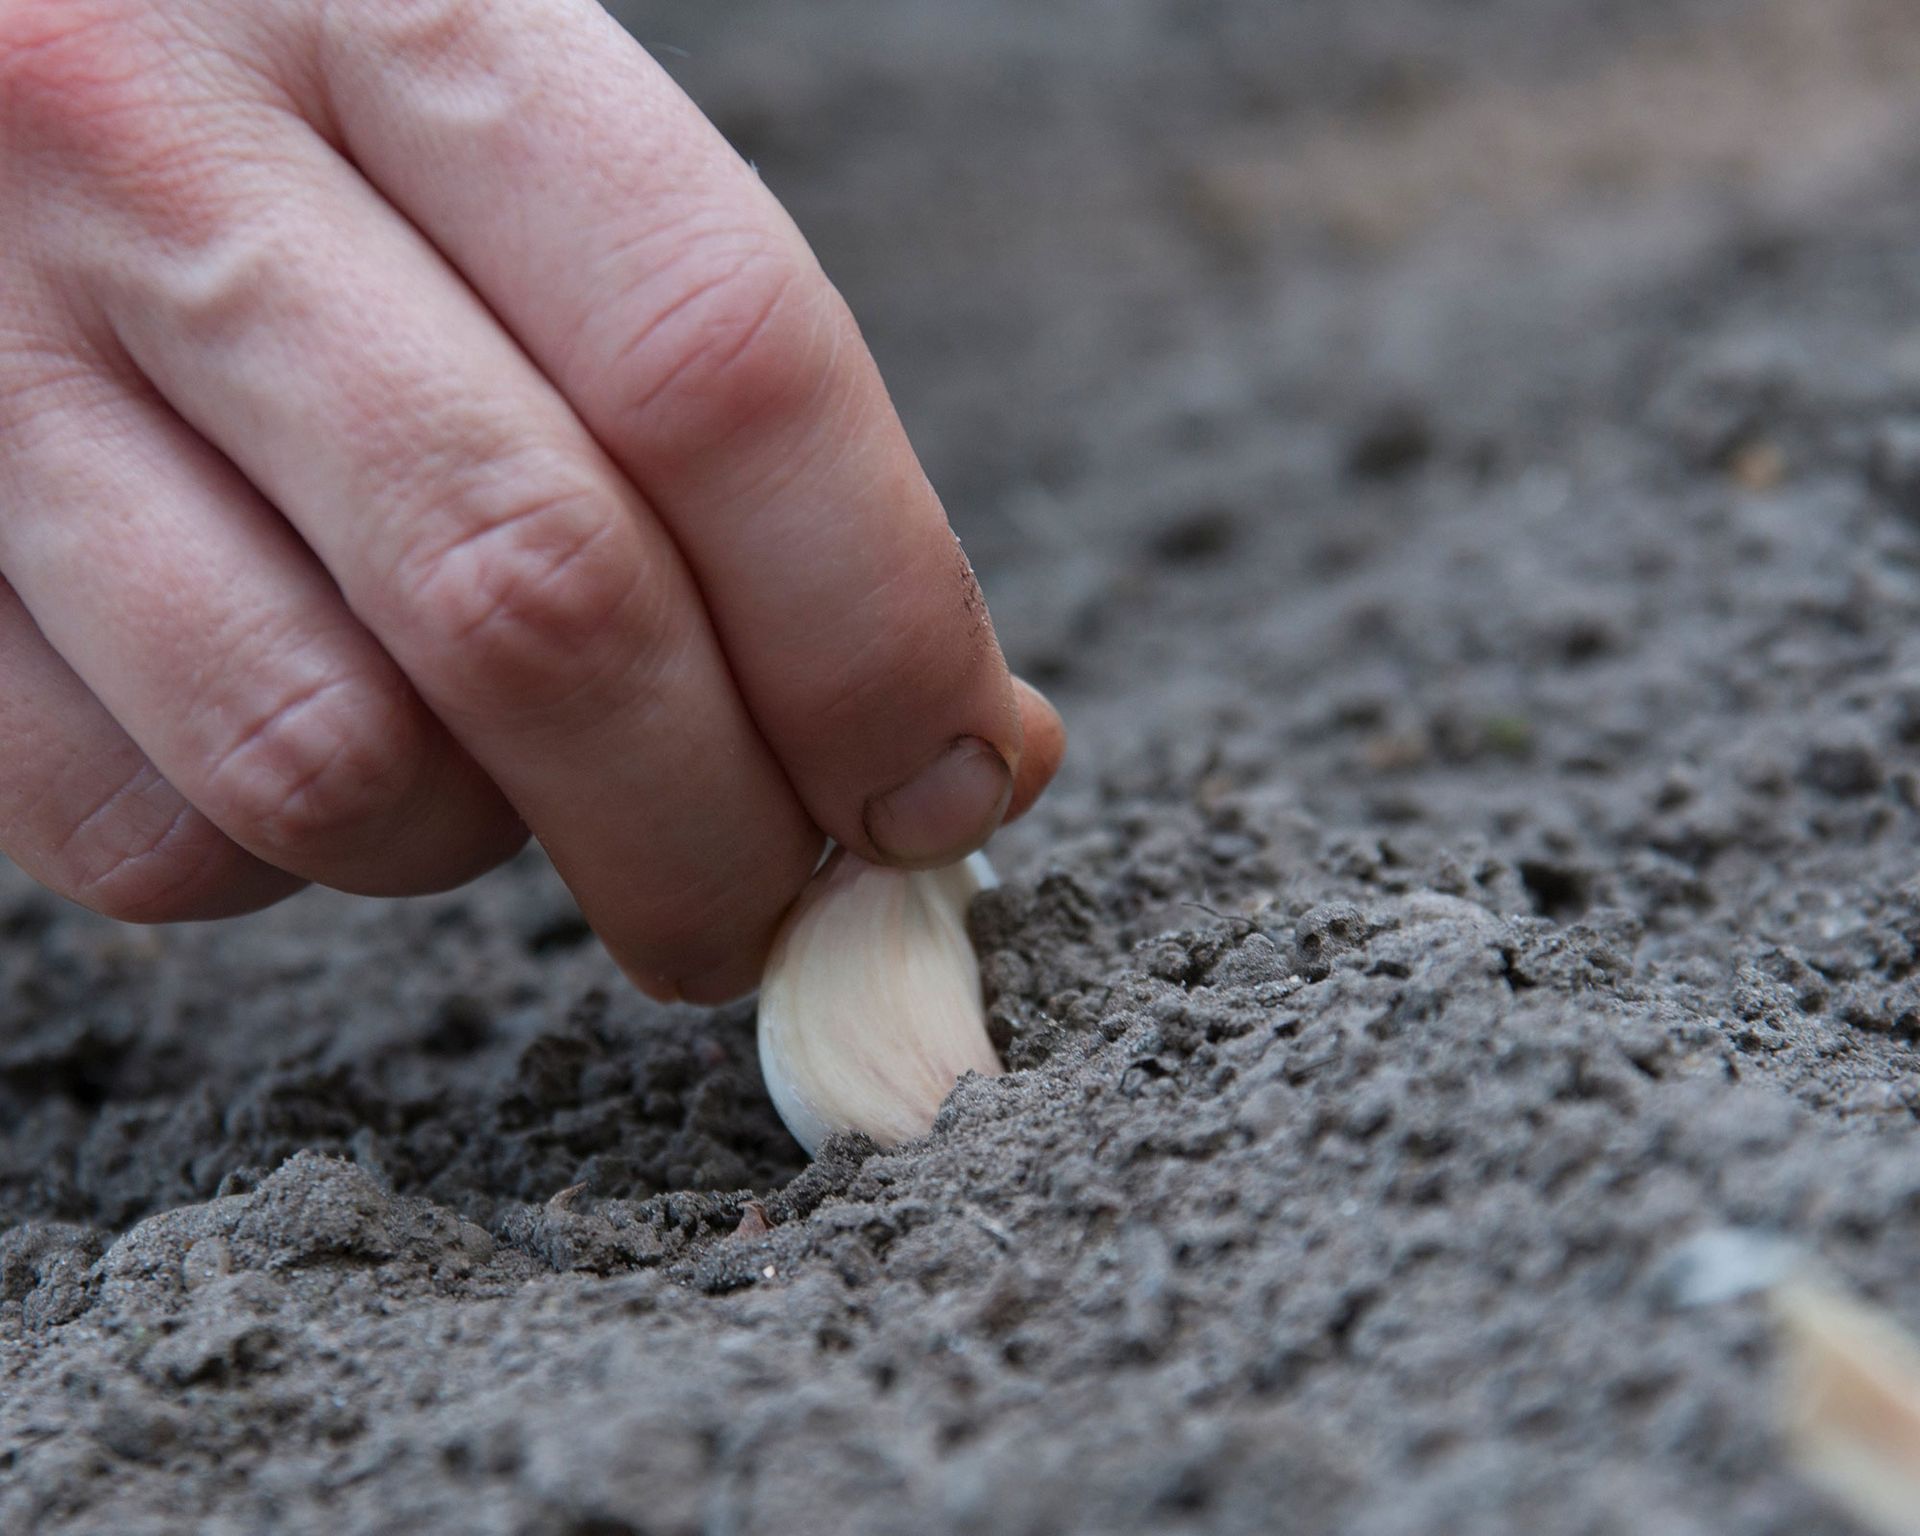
{"type": "Point", "coordinates": [1458, 469]}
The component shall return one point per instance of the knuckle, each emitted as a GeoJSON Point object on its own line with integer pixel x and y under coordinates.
{"type": "Point", "coordinates": [37, 390]}
{"type": "Point", "coordinates": [147, 868]}
{"type": "Point", "coordinates": [75, 74]}
{"type": "Point", "coordinates": [218, 296]}
{"type": "Point", "coordinates": [314, 765]}
{"type": "Point", "coordinates": [125, 112]}
{"type": "Point", "coordinates": [424, 35]}
{"type": "Point", "coordinates": [734, 341]}
{"type": "Point", "coordinates": [523, 602]}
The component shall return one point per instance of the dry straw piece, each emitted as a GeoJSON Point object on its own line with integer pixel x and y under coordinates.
{"type": "Point", "coordinates": [871, 1007]}
{"type": "Point", "coordinates": [1852, 1404]}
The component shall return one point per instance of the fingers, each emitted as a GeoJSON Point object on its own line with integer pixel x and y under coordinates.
{"type": "Point", "coordinates": [85, 813]}
{"type": "Point", "coordinates": [673, 672]}
{"type": "Point", "coordinates": [224, 652]}
{"type": "Point", "coordinates": [663, 290]}
{"type": "Point", "coordinates": [475, 527]}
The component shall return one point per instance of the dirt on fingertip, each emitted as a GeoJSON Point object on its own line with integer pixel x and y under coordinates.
{"type": "Point", "coordinates": [1457, 470]}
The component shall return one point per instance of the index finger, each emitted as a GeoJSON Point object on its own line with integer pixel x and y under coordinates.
{"type": "Point", "coordinates": [656, 281]}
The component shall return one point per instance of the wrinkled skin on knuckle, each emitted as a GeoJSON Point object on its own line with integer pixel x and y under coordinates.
{"type": "Point", "coordinates": [83, 86]}
{"type": "Point", "coordinates": [126, 124]}
{"type": "Point", "coordinates": [428, 37]}
{"type": "Point", "coordinates": [303, 775]}
{"type": "Point", "coordinates": [65, 64]}
{"type": "Point", "coordinates": [458, 58]}
{"type": "Point", "coordinates": [216, 280]}
{"type": "Point", "coordinates": [525, 607]}
{"type": "Point", "coordinates": [40, 377]}
{"type": "Point", "coordinates": [176, 870]}
{"type": "Point", "coordinates": [736, 340]}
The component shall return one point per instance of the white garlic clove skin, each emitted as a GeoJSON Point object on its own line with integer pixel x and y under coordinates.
{"type": "Point", "coordinates": [871, 1007]}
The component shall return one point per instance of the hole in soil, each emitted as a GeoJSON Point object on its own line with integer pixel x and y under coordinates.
{"type": "Point", "coordinates": [82, 1073]}
{"type": "Point", "coordinates": [27, 919]}
{"type": "Point", "coordinates": [1189, 1493]}
{"type": "Point", "coordinates": [460, 1027]}
{"type": "Point", "coordinates": [1560, 892]}
{"type": "Point", "coordinates": [1352, 1310]}
{"type": "Point", "coordinates": [1510, 971]}
{"type": "Point", "coordinates": [1397, 441]}
{"type": "Point", "coordinates": [1198, 536]}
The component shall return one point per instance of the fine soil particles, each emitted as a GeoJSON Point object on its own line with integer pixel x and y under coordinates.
{"type": "Point", "coordinates": [1457, 467]}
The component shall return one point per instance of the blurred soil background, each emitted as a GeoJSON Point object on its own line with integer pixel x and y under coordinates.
{"type": "Point", "coordinates": [1456, 463]}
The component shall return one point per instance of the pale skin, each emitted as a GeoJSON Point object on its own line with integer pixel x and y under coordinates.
{"type": "Point", "coordinates": [418, 428]}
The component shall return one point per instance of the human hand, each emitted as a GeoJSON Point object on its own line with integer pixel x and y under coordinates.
{"type": "Point", "coordinates": [416, 427]}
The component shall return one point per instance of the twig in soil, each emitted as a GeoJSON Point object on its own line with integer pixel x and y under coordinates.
{"type": "Point", "coordinates": [753, 1220]}
{"type": "Point", "coordinates": [1246, 925]}
{"type": "Point", "coordinates": [1852, 1404]}
{"type": "Point", "coordinates": [1297, 1073]}
{"type": "Point", "coordinates": [992, 1228]}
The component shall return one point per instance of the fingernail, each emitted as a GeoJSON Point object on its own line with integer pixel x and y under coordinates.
{"type": "Point", "coordinates": [946, 810]}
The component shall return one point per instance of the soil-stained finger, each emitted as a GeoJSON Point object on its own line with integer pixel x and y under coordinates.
{"type": "Point", "coordinates": [1045, 743]}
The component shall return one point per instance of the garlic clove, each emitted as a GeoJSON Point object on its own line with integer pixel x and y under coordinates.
{"type": "Point", "coordinates": [871, 1007]}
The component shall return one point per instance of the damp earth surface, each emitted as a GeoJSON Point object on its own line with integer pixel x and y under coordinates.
{"type": "Point", "coordinates": [1458, 469]}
